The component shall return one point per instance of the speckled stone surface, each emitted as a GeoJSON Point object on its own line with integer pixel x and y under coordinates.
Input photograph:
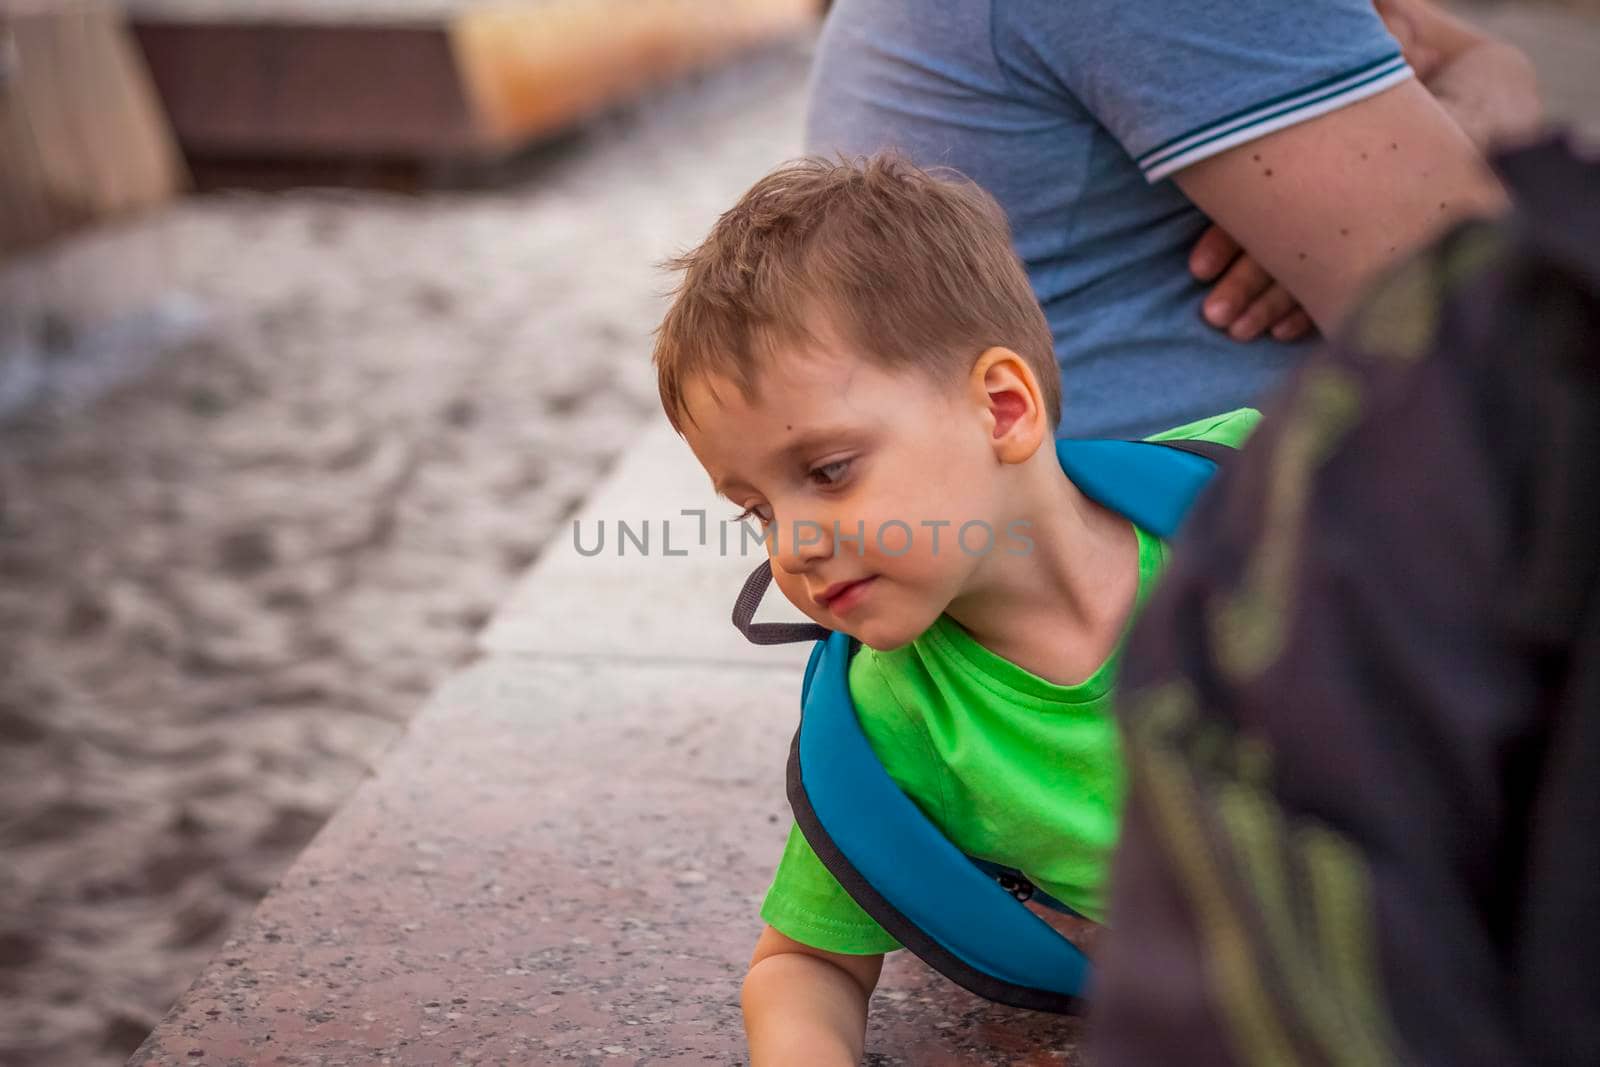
{"type": "Point", "coordinates": [583, 596]}
{"type": "Point", "coordinates": [562, 861]}
{"type": "Point", "coordinates": [558, 865]}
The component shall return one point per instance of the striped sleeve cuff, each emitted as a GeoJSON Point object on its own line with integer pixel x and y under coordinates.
{"type": "Point", "coordinates": [1330, 94]}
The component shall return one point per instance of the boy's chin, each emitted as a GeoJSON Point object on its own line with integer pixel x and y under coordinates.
{"type": "Point", "coordinates": [885, 637]}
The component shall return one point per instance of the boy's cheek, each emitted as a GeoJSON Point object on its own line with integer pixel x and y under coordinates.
{"type": "Point", "coordinates": [793, 588]}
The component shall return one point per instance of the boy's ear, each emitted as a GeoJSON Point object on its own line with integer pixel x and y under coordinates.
{"type": "Point", "coordinates": [1009, 392]}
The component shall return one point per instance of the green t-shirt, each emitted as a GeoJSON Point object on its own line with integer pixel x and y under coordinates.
{"type": "Point", "coordinates": [1013, 768]}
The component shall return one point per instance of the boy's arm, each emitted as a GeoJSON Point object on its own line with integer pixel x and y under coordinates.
{"type": "Point", "coordinates": [806, 1006]}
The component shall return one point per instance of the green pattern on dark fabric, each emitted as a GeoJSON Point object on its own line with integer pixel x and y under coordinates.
{"type": "Point", "coordinates": [1284, 904]}
{"type": "Point", "coordinates": [1251, 624]}
{"type": "Point", "coordinates": [1360, 713]}
{"type": "Point", "coordinates": [1400, 319]}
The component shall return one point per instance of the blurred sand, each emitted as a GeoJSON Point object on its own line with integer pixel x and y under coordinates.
{"type": "Point", "coordinates": [224, 587]}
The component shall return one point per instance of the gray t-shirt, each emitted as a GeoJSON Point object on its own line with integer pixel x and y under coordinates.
{"type": "Point", "coordinates": [1070, 112]}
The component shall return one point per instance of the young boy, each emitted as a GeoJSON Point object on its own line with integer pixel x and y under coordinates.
{"type": "Point", "coordinates": [857, 360]}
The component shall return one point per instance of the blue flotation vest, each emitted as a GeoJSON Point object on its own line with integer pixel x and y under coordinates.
{"type": "Point", "coordinates": [964, 917]}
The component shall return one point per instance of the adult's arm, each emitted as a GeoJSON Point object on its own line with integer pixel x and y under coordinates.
{"type": "Point", "coordinates": [1196, 91]}
{"type": "Point", "coordinates": [1325, 204]}
{"type": "Point", "coordinates": [1486, 85]}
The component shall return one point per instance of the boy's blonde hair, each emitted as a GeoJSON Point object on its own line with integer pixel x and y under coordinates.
{"type": "Point", "coordinates": [912, 270]}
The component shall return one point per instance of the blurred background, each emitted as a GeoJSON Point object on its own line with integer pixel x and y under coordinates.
{"type": "Point", "coordinates": [317, 317]}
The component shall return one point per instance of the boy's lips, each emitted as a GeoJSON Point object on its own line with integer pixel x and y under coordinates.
{"type": "Point", "coordinates": [840, 597]}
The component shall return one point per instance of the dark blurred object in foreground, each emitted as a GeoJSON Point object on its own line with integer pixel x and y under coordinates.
{"type": "Point", "coordinates": [1363, 712]}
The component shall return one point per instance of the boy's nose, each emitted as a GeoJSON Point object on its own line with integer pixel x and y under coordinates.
{"type": "Point", "coordinates": [799, 544]}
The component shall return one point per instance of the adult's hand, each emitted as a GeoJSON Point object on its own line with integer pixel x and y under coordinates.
{"type": "Point", "coordinates": [1245, 301]}
{"type": "Point", "coordinates": [1488, 86]}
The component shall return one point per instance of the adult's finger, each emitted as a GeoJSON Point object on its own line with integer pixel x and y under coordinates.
{"type": "Point", "coordinates": [1403, 19]}
{"type": "Point", "coordinates": [1212, 253]}
{"type": "Point", "coordinates": [1264, 312]}
{"type": "Point", "coordinates": [1295, 325]}
{"type": "Point", "coordinates": [1237, 290]}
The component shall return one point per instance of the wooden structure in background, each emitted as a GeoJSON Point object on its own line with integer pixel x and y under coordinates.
{"type": "Point", "coordinates": [82, 136]}
{"type": "Point", "coordinates": [310, 79]}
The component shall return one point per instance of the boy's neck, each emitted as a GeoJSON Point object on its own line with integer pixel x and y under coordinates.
{"type": "Point", "coordinates": [1059, 610]}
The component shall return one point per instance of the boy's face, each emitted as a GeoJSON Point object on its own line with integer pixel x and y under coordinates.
{"type": "Point", "coordinates": [834, 445]}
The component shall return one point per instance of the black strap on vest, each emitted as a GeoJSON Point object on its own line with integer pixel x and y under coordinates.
{"type": "Point", "coordinates": [768, 633]}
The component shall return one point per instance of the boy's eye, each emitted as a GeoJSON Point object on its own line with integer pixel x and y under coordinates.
{"type": "Point", "coordinates": [761, 515]}
{"type": "Point", "coordinates": [831, 473]}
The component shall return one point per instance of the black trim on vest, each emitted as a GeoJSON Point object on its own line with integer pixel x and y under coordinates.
{"type": "Point", "coordinates": [1215, 451]}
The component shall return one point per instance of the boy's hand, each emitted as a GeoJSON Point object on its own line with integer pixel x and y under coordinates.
{"type": "Point", "coordinates": [804, 1006]}
{"type": "Point", "coordinates": [1246, 302]}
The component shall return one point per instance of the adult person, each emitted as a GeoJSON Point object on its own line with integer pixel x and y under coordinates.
{"type": "Point", "coordinates": [1362, 712]}
{"type": "Point", "coordinates": [1113, 132]}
